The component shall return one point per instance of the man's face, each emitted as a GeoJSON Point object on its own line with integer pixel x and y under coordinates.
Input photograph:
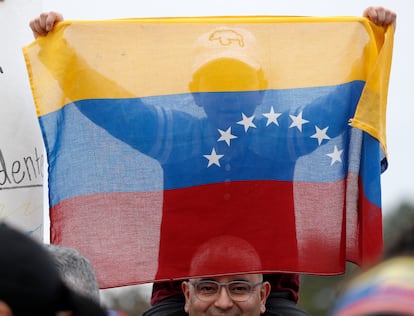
{"type": "Point", "coordinates": [226, 89]}
{"type": "Point", "coordinates": [224, 109]}
{"type": "Point", "coordinates": [5, 309]}
{"type": "Point", "coordinates": [222, 303]}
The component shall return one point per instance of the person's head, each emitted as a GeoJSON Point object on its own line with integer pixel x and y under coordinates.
{"type": "Point", "coordinates": [215, 288]}
{"type": "Point", "coordinates": [5, 309]}
{"type": "Point", "coordinates": [402, 244]}
{"type": "Point", "coordinates": [243, 294]}
{"type": "Point", "coordinates": [384, 289]}
{"type": "Point", "coordinates": [237, 253]}
{"type": "Point", "coordinates": [228, 78]}
{"type": "Point", "coordinates": [30, 283]}
{"type": "Point", "coordinates": [76, 271]}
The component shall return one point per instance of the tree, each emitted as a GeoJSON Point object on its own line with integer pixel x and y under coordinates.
{"type": "Point", "coordinates": [319, 293]}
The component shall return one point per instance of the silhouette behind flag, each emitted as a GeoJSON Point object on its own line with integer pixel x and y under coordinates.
{"type": "Point", "coordinates": [165, 134]}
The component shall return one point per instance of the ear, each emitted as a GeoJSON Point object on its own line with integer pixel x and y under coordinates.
{"type": "Point", "coordinates": [264, 294]}
{"type": "Point", "coordinates": [185, 287]}
{"type": "Point", "coordinates": [263, 84]}
{"type": "Point", "coordinates": [260, 97]}
{"type": "Point", "coordinates": [193, 88]}
{"type": "Point", "coordinates": [197, 98]}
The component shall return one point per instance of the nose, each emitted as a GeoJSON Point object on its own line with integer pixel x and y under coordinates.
{"type": "Point", "coordinates": [223, 300]}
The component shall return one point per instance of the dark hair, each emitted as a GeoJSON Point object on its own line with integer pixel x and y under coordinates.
{"type": "Point", "coordinates": [30, 283]}
{"type": "Point", "coordinates": [402, 244]}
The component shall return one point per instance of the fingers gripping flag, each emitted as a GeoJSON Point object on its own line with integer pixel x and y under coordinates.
{"type": "Point", "coordinates": [164, 134]}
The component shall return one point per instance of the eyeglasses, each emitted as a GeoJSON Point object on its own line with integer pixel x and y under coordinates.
{"type": "Point", "coordinates": [208, 290]}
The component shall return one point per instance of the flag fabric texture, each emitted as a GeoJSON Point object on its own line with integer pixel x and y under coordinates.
{"type": "Point", "coordinates": [173, 141]}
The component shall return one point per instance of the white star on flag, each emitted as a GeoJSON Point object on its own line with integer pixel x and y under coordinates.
{"type": "Point", "coordinates": [320, 134]}
{"type": "Point", "coordinates": [226, 136]}
{"type": "Point", "coordinates": [297, 121]}
{"type": "Point", "coordinates": [213, 158]}
{"type": "Point", "coordinates": [335, 155]}
{"type": "Point", "coordinates": [247, 122]}
{"type": "Point", "coordinates": [272, 117]}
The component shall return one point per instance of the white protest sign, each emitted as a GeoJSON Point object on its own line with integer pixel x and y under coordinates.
{"type": "Point", "coordinates": [22, 155]}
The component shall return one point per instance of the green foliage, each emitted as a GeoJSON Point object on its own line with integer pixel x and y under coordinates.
{"type": "Point", "coordinates": [318, 293]}
{"type": "Point", "coordinates": [399, 220]}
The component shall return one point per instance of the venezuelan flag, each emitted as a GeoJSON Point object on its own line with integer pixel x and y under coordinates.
{"type": "Point", "coordinates": [163, 135]}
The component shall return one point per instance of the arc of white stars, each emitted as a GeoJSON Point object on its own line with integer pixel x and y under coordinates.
{"type": "Point", "coordinates": [213, 158]}
{"type": "Point", "coordinates": [226, 136]}
{"type": "Point", "coordinates": [297, 121]}
{"type": "Point", "coordinates": [272, 117]}
{"type": "Point", "coordinates": [247, 122]}
{"type": "Point", "coordinates": [335, 155]}
{"type": "Point", "coordinates": [320, 134]}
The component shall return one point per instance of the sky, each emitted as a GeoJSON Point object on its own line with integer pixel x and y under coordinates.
{"type": "Point", "coordinates": [397, 183]}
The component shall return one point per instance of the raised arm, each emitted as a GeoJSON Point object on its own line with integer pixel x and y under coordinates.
{"type": "Point", "coordinates": [44, 23]}
{"type": "Point", "coordinates": [380, 16]}
{"type": "Point", "coordinates": [115, 101]}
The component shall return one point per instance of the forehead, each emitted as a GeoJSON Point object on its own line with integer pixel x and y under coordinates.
{"type": "Point", "coordinates": [228, 278]}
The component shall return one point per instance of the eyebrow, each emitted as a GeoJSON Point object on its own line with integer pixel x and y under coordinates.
{"type": "Point", "coordinates": [215, 280]}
